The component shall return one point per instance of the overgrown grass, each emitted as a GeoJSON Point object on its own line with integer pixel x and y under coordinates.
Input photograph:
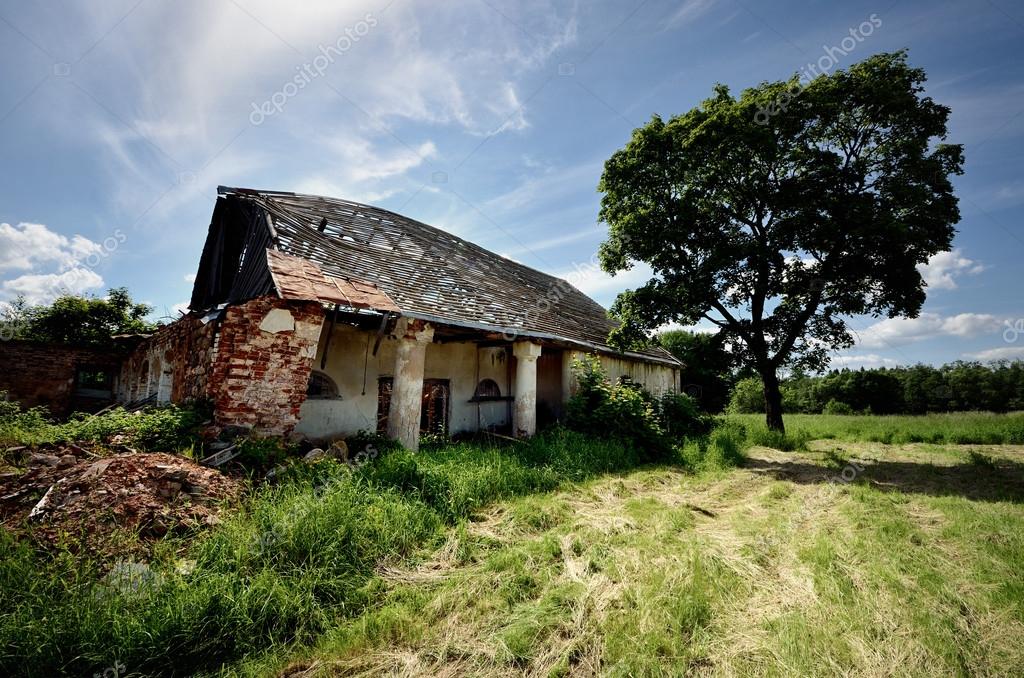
{"type": "Point", "coordinates": [296, 560]}
{"type": "Point", "coordinates": [954, 428]}
{"type": "Point", "coordinates": [168, 428]}
{"type": "Point", "coordinates": [657, 573]}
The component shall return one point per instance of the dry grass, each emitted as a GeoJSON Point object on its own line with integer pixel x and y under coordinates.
{"type": "Point", "coordinates": [915, 567]}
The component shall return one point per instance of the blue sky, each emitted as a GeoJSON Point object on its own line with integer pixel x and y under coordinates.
{"type": "Point", "coordinates": [491, 120]}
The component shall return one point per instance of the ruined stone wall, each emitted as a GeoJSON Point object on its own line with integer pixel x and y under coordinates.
{"type": "Point", "coordinates": [173, 364]}
{"type": "Point", "coordinates": [38, 374]}
{"type": "Point", "coordinates": [262, 361]}
{"type": "Point", "coordinates": [252, 361]}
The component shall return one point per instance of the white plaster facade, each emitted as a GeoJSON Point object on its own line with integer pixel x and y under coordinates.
{"type": "Point", "coordinates": [463, 364]}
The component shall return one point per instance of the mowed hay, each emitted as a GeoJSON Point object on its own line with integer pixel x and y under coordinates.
{"type": "Point", "coordinates": [772, 569]}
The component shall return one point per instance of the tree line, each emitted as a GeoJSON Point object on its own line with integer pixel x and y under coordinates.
{"type": "Point", "coordinates": [919, 389]}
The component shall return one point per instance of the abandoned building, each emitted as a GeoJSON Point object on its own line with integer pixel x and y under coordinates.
{"type": "Point", "coordinates": [327, 317]}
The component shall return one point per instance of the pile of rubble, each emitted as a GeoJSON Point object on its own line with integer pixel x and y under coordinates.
{"type": "Point", "coordinates": [73, 490]}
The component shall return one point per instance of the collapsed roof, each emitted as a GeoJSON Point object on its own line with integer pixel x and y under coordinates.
{"type": "Point", "coordinates": [366, 258]}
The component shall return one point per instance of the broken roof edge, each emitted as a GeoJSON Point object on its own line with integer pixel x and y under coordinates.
{"type": "Point", "coordinates": [263, 193]}
{"type": "Point", "coordinates": [514, 333]}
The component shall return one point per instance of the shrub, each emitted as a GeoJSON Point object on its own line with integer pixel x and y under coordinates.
{"type": "Point", "coordinates": [168, 428]}
{"type": "Point", "coordinates": [622, 411]}
{"type": "Point", "coordinates": [722, 449]}
{"type": "Point", "coordinates": [837, 407]}
{"type": "Point", "coordinates": [19, 426]}
{"type": "Point", "coordinates": [681, 417]}
{"type": "Point", "coordinates": [747, 397]}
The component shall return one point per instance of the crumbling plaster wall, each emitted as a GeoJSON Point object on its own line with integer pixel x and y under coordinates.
{"type": "Point", "coordinates": [356, 410]}
{"type": "Point", "coordinates": [653, 377]}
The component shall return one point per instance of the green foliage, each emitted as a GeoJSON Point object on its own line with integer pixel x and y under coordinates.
{"type": "Point", "coordinates": [787, 441]}
{"type": "Point", "coordinates": [625, 412]}
{"type": "Point", "coordinates": [837, 407]}
{"type": "Point", "coordinates": [79, 320]}
{"type": "Point", "coordinates": [681, 416]}
{"type": "Point", "coordinates": [168, 428]}
{"type": "Point", "coordinates": [255, 452]}
{"type": "Point", "coordinates": [779, 227]}
{"type": "Point", "coordinates": [18, 426]}
{"type": "Point", "coordinates": [747, 396]}
{"type": "Point", "coordinates": [707, 366]}
{"type": "Point", "coordinates": [721, 450]}
{"type": "Point", "coordinates": [955, 387]}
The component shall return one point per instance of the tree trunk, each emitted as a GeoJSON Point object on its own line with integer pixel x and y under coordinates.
{"type": "Point", "coordinates": [772, 401]}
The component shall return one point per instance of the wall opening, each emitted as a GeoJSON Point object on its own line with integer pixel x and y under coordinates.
{"type": "Point", "coordinates": [321, 387]}
{"type": "Point", "coordinates": [435, 407]}
{"type": "Point", "coordinates": [93, 382]}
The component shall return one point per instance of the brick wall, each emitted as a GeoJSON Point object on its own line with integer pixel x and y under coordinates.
{"type": "Point", "coordinates": [252, 361]}
{"type": "Point", "coordinates": [35, 374]}
{"type": "Point", "coordinates": [264, 355]}
{"type": "Point", "coordinates": [173, 364]}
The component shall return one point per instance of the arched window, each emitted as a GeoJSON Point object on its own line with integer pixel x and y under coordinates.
{"type": "Point", "coordinates": [487, 388]}
{"type": "Point", "coordinates": [321, 387]}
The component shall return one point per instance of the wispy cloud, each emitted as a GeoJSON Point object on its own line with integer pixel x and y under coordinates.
{"type": "Point", "coordinates": [943, 269]}
{"type": "Point", "coordinates": [688, 12]}
{"type": "Point", "coordinates": [901, 331]}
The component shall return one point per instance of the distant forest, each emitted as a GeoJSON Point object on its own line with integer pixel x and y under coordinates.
{"type": "Point", "coordinates": [958, 386]}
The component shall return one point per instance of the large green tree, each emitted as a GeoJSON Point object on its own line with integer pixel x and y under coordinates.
{"type": "Point", "coordinates": [72, 319]}
{"type": "Point", "coordinates": [779, 214]}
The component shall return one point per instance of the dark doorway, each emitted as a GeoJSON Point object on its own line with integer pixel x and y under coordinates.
{"type": "Point", "coordinates": [435, 408]}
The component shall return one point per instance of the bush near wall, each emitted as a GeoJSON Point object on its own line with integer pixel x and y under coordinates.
{"type": "Point", "coordinates": [624, 411]}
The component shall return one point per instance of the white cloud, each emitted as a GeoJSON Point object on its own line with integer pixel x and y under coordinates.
{"type": "Point", "coordinates": [696, 329]}
{"type": "Point", "coordinates": [900, 331]}
{"type": "Point", "coordinates": [26, 246]}
{"type": "Point", "coordinates": [854, 361]}
{"type": "Point", "coordinates": [30, 249]}
{"type": "Point", "coordinates": [41, 288]}
{"type": "Point", "coordinates": [190, 277]}
{"type": "Point", "coordinates": [1004, 353]}
{"type": "Point", "coordinates": [943, 268]}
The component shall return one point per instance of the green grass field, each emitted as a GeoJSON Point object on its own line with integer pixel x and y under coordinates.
{"type": "Point", "coordinates": [914, 567]}
{"type": "Point", "coordinates": [847, 556]}
{"type": "Point", "coordinates": [955, 428]}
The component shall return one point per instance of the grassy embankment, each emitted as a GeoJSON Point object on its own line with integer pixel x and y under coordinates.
{"type": "Point", "coordinates": [561, 556]}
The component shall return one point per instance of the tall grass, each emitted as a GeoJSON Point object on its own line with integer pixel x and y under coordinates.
{"type": "Point", "coordinates": [167, 428]}
{"type": "Point", "coordinates": [950, 428]}
{"type": "Point", "coordinates": [295, 560]}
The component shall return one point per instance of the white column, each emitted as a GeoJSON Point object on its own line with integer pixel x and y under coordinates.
{"type": "Point", "coordinates": [568, 378]}
{"type": "Point", "coordinates": [407, 388]}
{"type": "Point", "coordinates": [524, 423]}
